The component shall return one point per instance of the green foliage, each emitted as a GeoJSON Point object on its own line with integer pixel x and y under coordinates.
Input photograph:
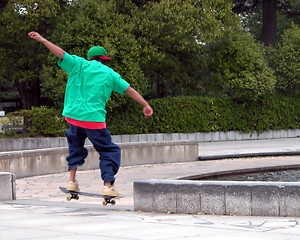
{"type": "Point", "coordinates": [175, 115]}
{"type": "Point", "coordinates": [53, 85]}
{"type": "Point", "coordinates": [167, 31]}
{"type": "Point", "coordinates": [156, 44]}
{"type": "Point", "coordinates": [7, 89]}
{"type": "Point", "coordinates": [207, 114]}
{"type": "Point", "coordinates": [165, 47]}
{"type": "Point", "coordinates": [237, 67]}
{"type": "Point", "coordinates": [20, 60]}
{"type": "Point", "coordinates": [215, 17]}
{"type": "Point", "coordinates": [39, 121]}
{"type": "Point", "coordinates": [172, 34]}
{"type": "Point", "coordinates": [251, 15]}
{"type": "Point", "coordinates": [89, 23]}
{"type": "Point", "coordinates": [285, 60]}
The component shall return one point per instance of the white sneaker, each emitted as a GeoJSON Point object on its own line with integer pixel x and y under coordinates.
{"type": "Point", "coordinates": [110, 191]}
{"type": "Point", "coordinates": [73, 186]}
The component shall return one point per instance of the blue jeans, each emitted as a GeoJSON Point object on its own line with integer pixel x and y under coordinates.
{"type": "Point", "coordinates": [110, 153]}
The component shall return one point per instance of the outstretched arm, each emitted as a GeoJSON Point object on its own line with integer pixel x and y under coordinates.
{"type": "Point", "coordinates": [52, 47]}
{"type": "Point", "coordinates": [138, 98]}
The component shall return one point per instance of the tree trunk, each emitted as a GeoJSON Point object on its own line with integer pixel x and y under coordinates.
{"type": "Point", "coordinates": [29, 92]}
{"type": "Point", "coordinates": [269, 22]}
{"type": "Point", "coordinates": [161, 88]}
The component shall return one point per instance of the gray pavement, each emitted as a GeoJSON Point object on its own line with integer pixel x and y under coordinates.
{"type": "Point", "coordinates": [249, 148]}
{"type": "Point", "coordinates": [41, 211]}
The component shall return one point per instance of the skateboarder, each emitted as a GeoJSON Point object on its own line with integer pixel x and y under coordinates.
{"type": "Point", "coordinates": [88, 89]}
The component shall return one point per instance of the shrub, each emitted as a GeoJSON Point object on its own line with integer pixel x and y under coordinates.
{"type": "Point", "coordinates": [175, 115]}
{"type": "Point", "coordinates": [237, 67]}
{"type": "Point", "coordinates": [285, 60]}
{"type": "Point", "coordinates": [39, 121]}
{"type": "Point", "coordinates": [206, 114]}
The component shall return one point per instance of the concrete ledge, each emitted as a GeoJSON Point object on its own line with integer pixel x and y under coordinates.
{"type": "Point", "coordinates": [7, 186]}
{"type": "Point", "coordinates": [40, 143]}
{"type": "Point", "coordinates": [7, 145]}
{"type": "Point", "coordinates": [218, 197]}
{"type": "Point", "coordinates": [247, 155]}
{"type": "Point", "coordinates": [158, 152]}
{"type": "Point", "coordinates": [53, 160]}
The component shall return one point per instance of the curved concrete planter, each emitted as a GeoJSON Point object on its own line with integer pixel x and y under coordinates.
{"type": "Point", "coordinates": [218, 197]}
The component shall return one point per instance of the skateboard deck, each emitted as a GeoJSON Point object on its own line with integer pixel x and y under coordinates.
{"type": "Point", "coordinates": [75, 195]}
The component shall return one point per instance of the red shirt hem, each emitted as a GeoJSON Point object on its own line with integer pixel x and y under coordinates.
{"type": "Point", "coordinates": [86, 124]}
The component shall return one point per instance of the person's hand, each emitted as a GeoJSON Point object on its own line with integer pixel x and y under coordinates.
{"type": "Point", "coordinates": [36, 36]}
{"type": "Point", "coordinates": [147, 111]}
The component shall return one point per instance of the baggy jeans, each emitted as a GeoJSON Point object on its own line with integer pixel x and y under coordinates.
{"type": "Point", "coordinates": [110, 153]}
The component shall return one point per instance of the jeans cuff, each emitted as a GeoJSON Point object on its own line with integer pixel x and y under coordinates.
{"type": "Point", "coordinates": [74, 166]}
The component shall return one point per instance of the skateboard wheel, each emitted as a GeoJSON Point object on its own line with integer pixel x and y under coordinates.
{"type": "Point", "coordinates": [68, 198]}
{"type": "Point", "coordinates": [104, 203]}
{"type": "Point", "coordinates": [113, 202]}
{"type": "Point", "coordinates": [76, 197]}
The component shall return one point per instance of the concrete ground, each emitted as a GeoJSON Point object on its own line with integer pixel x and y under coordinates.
{"type": "Point", "coordinates": [41, 211]}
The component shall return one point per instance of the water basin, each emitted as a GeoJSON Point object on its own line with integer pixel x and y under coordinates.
{"type": "Point", "coordinates": [291, 175]}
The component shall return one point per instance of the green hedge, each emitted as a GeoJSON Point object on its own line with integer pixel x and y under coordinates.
{"type": "Point", "coordinates": [206, 114]}
{"type": "Point", "coordinates": [177, 115]}
{"type": "Point", "coordinates": [39, 121]}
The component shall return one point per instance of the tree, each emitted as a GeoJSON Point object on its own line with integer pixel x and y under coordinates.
{"type": "Point", "coordinates": [87, 23]}
{"type": "Point", "coordinates": [172, 34]}
{"type": "Point", "coordinates": [237, 67]}
{"type": "Point", "coordinates": [3, 3]}
{"type": "Point", "coordinates": [167, 37]}
{"type": "Point", "coordinates": [158, 41]}
{"type": "Point", "coordinates": [285, 60]}
{"type": "Point", "coordinates": [141, 3]}
{"type": "Point", "coordinates": [8, 92]}
{"type": "Point", "coordinates": [20, 57]}
{"type": "Point", "coordinates": [269, 22]}
{"type": "Point", "coordinates": [260, 17]}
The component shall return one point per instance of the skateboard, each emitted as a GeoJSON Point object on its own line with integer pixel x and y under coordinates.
{"type": "Point", "coordinates": [75, 195]}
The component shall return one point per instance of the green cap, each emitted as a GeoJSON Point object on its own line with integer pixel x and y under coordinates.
{"type": "Point", "coordinates": [97, 51]}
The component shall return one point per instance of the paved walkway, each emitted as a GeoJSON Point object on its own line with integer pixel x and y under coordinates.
{"type": "Point", "coordinates": [274, 147]}
{"type": "Point", "coordinates": [41, 211]}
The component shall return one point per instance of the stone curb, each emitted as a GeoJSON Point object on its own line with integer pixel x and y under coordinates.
{"type": "Point", "coordinates": [218, 197]}
{"type": "Point", "coordinates": [7, 186]}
